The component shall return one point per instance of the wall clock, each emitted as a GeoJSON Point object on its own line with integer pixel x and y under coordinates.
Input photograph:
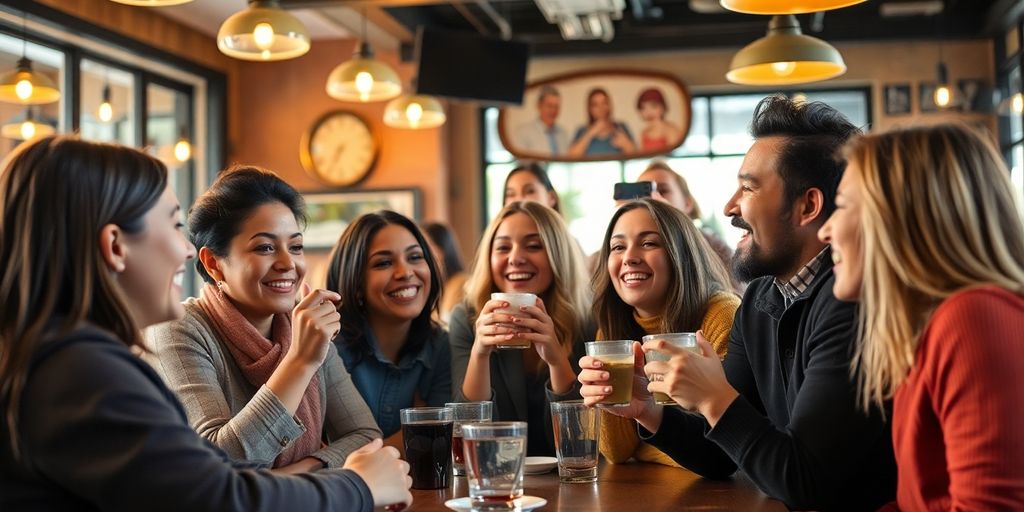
{"type": "Point", "coordinates": [339, 149]}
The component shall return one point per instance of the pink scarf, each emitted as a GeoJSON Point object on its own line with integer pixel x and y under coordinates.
{"type": "Point", "coordinates": [258, 357]}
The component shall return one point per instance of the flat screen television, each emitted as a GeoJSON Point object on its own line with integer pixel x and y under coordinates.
{"type": "Point", "coordinates": [468, 66]}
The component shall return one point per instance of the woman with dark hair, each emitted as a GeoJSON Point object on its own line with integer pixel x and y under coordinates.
{"type": "Point", "coordinates": [659, 134]}
{"type": "Point", "coordinates": [252, 359]}
{"type": "Point", "coordinates": [86, 424]}
{"type": "Point", "coordinates": [602, 134]}
{"type": "Point", "coordinates": [388, 281]}
{"type": "Point", "coordinates": [530, 182]}
{"type": "Point", "coordinates": [660, 276]}
{"type": "Point", "coordinates": [444, 247]}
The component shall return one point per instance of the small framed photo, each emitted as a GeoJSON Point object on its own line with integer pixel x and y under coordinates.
{"type": "Point", "coordinates": [331, 212]}
{"type": "Point", "coordinates": [976, 95]}
{"type": "Point", "coordinates": [897, 99]}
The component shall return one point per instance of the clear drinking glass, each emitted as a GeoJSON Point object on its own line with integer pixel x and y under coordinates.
{"type": "Point", "coordinates": [427, 435]}
{"type": "Point", "coordinates": [495, 454]}
{"type": "Point", "coordinates": [687, 340]}
{"type": "Point", "coordinates": [617, 356]}
{"type": "Point", "coordinates": [515, 301]}
{"type": "Point", "coordinates": [465, 412]}
{"type": "Point", "coordinates": [576, 428]}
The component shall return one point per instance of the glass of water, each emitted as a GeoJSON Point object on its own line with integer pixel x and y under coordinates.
{"type": "Point", "coordinates": [494, 463]}
{"type": "Point", "coordinates": [576, 429]}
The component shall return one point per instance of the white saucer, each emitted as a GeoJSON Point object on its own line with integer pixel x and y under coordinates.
{"type": "Point", "coordinates": [524, 503]}
{"type": "Point", "coordinates": [539, 465]}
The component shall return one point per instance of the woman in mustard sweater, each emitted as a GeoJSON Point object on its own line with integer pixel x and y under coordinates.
{"type": "Point", "coordinates": [660, 276]}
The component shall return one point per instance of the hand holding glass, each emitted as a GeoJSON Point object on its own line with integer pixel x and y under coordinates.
{"type": "Point", "coordinates": [687, 340]}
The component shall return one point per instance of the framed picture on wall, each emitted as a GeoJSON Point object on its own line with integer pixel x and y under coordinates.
{"type": "Point", "coordinates": [976, 94]}
{"type": "Point", "coordinates": [897, 99]}
{"type": "Point", "coordinates": [331, 212]}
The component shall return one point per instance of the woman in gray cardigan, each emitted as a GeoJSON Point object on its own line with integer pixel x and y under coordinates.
{"type": "Point", "coordinates": [259, 380]}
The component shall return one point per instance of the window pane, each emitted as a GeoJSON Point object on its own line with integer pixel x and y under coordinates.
{"type": "Point", "coordinates": [1017, 173]}
{"type": "Point", "coordinates": [495, 151]}
{"type": "Point", "coordinates": [853, 104]}
{"type": "Point", "coordinates": [107, 102]}
{"type": "Point", "coordinates": [495, 187]}
{"type": "Point", "coordinates": [585, 195]}
{"type": "Point", "coordinates": [46, 61]}
{"type": "Point", "coordinates": [730, 123]}
{"type": "Point", "coordinates": [697, 140]}
{"type": "Point", "coordinates": [1016, 119]}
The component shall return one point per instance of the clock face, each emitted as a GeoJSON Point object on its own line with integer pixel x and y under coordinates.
{"type": "Point", "coordinates": [339, 150]}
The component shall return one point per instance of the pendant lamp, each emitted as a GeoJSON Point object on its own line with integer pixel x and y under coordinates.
{"type": "Point", "coordinates": [25, 86]}
{"type": "Point", "coordinates": [414, 112]}
{"type": "Point", "coordinates": [944, 95]}
{"type": "Point", "coordinates": [785, 56]}
{"type": "Point", "coordinates": [363, 78]}
{"type": "Point", "coordinates": [263, 32]}
{"type": "Point", "coordinates": [785, 6]}
{"type": "Point", "coordinates": [105, 112]}
{"type": "Point", "coordinates": [1013, 105]}
{"type": "Point", "coordinates": [152, 3]}
{"type": "Point", "coordinates": [27, 128]}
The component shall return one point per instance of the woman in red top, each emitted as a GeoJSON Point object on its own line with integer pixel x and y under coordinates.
{"type": "Point", "coordinates": [927, 237]}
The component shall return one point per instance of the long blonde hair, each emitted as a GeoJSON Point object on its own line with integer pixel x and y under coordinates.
{"type": "Point", "coordinates": [938, 216]}
{"type": "Point", "coordinates": [567, 300]}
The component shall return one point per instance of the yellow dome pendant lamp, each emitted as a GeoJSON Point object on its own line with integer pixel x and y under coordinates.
{"type": "Point", "coordinates": [414, 112]}
{"type": "Point", "coordinates": [785, 56]}
{"type": "Point", "coordinates": [363, 78]}
{"type": "Point", "coordinates": [263, 32]}
{"type": "Point", "coordinates": [27, 128]}
{"type": "Point", "coordinates": [785, 6]}
{"type": "Point", "coordinates": [152, 3]}
{"type": "Point", "coordinates": [25, 86]}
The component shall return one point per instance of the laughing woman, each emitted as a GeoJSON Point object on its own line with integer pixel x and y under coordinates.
{"type": "Point", "coordinates": [87, 425]}
{"type": "Point", "coordinates": [256, 371]}
{"type": "Point", "coordinates": [389, 285]}
{"type": "Point", "coordinates": [927, 237]}
{"type": "Point", "coordinates": [526, 249]}
{"type": "Point", "coordinates": [660, 276]}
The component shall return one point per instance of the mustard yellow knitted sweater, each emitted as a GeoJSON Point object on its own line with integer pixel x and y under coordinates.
{"type": "Point", "coordinates": [619, 440]}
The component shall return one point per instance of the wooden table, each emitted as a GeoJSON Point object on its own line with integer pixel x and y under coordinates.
{"type": "Point", "coordinates": [634, 487]}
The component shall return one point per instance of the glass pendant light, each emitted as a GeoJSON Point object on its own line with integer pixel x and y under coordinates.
{"type": "Point", "coordinates": [944, 95]}
{"type": "Point", "coordinates": [105, 112]}
{"type": "Point", "coordinates": [785, 56]}
{"type": "Point", "coordinates": [152, 3]}
{"type": "Point", "coordinates": [414, 112]}
{"type": "Point", "coordinates": [363, 78]}
{"type": "Point", "coordinates": [24, 85]}
{"type": "Point", "coordinates": [263, 32]}
{"type": "Point", "coordinates": [27, 128]}
{"type": "Point", "coordinates": [785, 6]}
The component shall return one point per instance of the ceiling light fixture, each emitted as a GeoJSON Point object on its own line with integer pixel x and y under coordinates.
{"type": "Point", "coordinates": [27, 128]}
{"type": "Point", "coordinates": [785, 56]}
{"type": "Point", "coordinates": [363, 78]}
{"type": "Point", "coordinates": [24, 85]}
{"type": "Point", "coordinates": [415, 112]}
{"type": "Point", "coordinates": [152, 3]}
{"type": "Point", "coordinates": [263, 32]}
{"type": "Point", "coordinates": [583, 19]}
{"type": "Point", "coordinates": [105, 112]}
{"type": "Point", "coordinates": [785, 6]}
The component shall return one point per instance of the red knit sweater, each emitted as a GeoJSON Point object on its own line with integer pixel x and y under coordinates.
{"type": "Point", "coordinates": [958, 418]}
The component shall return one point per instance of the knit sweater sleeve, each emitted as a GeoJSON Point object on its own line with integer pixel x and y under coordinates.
{"type": "Point", "coordinates": [188, 356]}
{"type": "Point", "coordinates": [972, 360]}
{"type": "Point", "coordinates": [718, 319]}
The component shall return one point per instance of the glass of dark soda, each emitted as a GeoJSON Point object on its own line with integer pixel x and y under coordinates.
{"type": "Point", "coordinates": [427, 436]}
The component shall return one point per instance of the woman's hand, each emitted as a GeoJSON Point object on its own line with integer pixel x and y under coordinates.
{"type": "Point", "coordinates": [493, 328]}
{"type": "Point", "coordinates": [538, 328]}
{"type": "Point", "coordinates": [622, 142]}
{"type": "Point", "coordinates": [315, 323]}
{"type": "Point", "coordinates": [694, 381]}
{"type": "Point", "coordinates": [384, 472]}
{"type": "Point", "coordinates": [597, 386]}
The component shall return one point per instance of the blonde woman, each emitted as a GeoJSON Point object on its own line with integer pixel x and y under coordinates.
{"type": "Point", "coordinates": [526, 249]}
{"type": "Point", "coordinates": [926, 236]}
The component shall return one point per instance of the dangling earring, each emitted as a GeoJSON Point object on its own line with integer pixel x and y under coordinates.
{"type": "Point", "coordinates": [220, 287]}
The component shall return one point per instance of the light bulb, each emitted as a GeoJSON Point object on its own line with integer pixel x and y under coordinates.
{"type": "Point", "coordinates": [414, 113]}
{"type": "Point", "coordinates": [23, 89]}
{"type": "Point", "coordinates": [942, 96]}
{"type": "Point", "coordinates": [105, 112]}
{"type": "Point", "coordinates": [783, 68]}
{"type": "Point", "coordinates": [28, 130]}
{"type": "Point", "coordinates": [1017, 103]}
{"type": "Point", "coordinates": [182, 150]}
{"type": "Point", "coordinates": [364, 84]}
{"type": "Point", "coordinates": [263, 36]}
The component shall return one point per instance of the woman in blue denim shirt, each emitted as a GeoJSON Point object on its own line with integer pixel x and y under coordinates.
{"type": "Point", "coordinates": [389, 285]}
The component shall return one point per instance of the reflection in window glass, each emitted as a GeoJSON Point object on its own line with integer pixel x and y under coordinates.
{"type": "Point", "coordinates": [45, 60]}
{"type": "Point", "coordinates": [730, 120]}
{"type": "Point", "coordinates": [106, 102]}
